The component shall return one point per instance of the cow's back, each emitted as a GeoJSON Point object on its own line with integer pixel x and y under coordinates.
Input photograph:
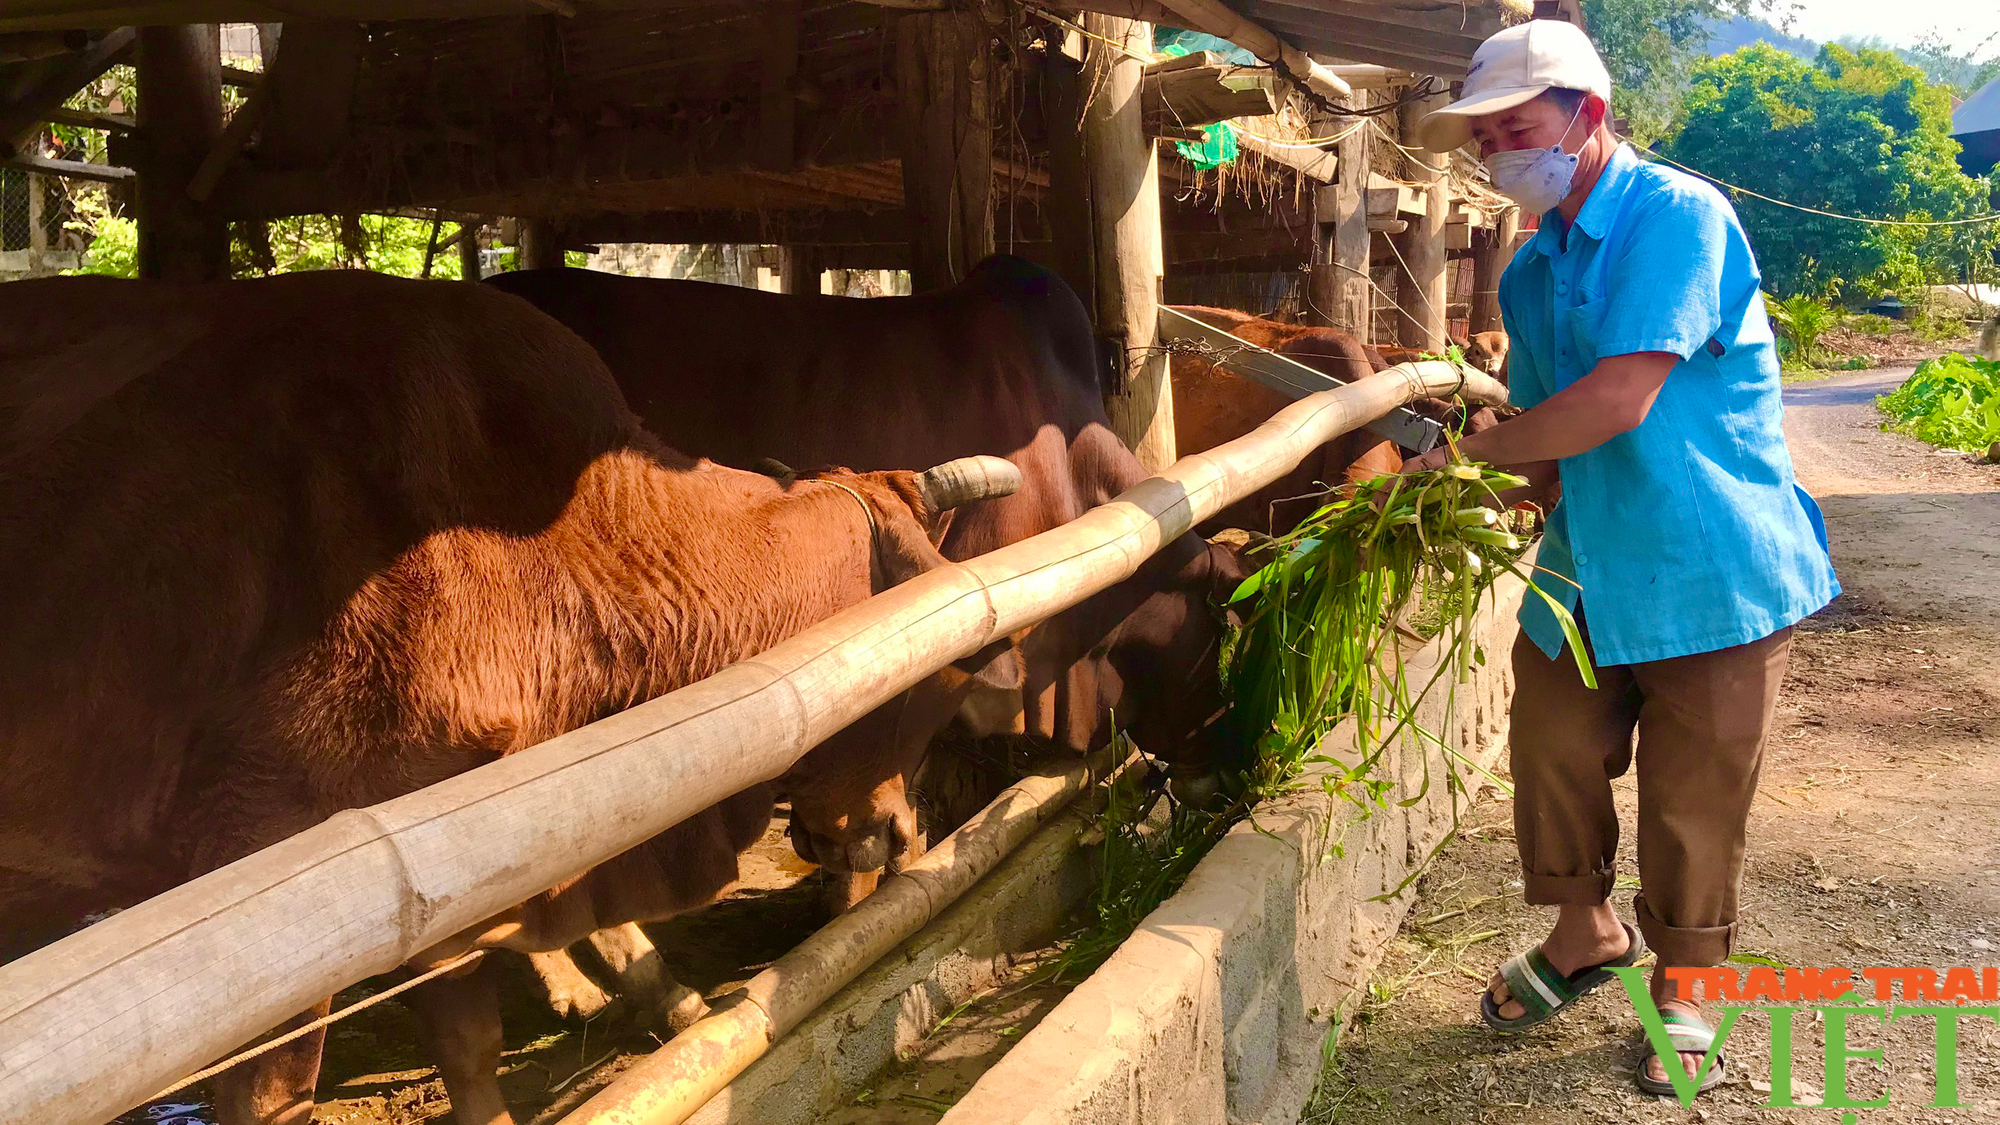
{"type": "Point", "coordinates": [1004, 363]}
{"type": "Point", "coordinates": [1213, 405]}
{"type": "Point", "coordinates": [194, 479]}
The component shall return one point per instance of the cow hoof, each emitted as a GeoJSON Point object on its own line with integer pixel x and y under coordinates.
{"type": "Point", "coordinates": [1200, 791]}
{"type": "Point", "coordinates": [682, 1007]}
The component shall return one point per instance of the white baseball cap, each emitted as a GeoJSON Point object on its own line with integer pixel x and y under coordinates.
{"type": "Point", "coordinates": [1514, 66]}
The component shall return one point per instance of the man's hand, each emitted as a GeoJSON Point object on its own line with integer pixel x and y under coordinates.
{"type": "Point", "coordinates": [1425, 462]}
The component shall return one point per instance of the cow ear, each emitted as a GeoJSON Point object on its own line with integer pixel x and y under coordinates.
{"type": "Point", "coordinates": [940, 526]}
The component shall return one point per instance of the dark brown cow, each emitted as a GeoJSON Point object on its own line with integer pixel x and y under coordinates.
{"type": "Point", "coordinates": [273, 549]}
{"type": "Point", "coordinates": [1004, 363]}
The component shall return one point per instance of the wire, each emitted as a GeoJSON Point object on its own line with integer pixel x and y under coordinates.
{"type": "Point", "coordinates": [1814, 210]}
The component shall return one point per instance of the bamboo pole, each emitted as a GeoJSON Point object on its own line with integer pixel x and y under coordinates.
{"type": "Point", "coordinates": [669, 1085]}
{"type": "Point", "coordinates": [94, 1024]}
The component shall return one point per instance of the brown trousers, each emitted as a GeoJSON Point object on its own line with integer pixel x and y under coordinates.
{"type": "Point", "coordinates": [1701, 722]}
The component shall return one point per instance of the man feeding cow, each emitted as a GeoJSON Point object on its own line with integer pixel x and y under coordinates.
{"type": "Point", "coordinates": [1680, 541]}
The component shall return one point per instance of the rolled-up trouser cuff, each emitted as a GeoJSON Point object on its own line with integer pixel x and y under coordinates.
{"type": "Point", "coordinates": [1567, 890]}
{"type": "Point", "coordinates": [1683, 945]}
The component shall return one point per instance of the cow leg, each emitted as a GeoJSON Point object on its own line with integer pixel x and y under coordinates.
{"type": "Point", "coordinates": [570, 993]}
{"type": "Point", "coordinates": [643, 978]}
{"type": "Point", "coordinates": [461, 1020]}
{"type": "Point", "coordinates": [276, 1087]}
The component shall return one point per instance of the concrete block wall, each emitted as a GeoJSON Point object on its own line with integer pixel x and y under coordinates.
{"type": "Point", "coordinates": [1215, 1010]}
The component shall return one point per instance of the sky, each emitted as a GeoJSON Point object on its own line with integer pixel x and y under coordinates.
{"type": "Point", "coordinates": [1966, 22]}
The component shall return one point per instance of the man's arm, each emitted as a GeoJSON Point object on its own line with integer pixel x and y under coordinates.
{"type": "Point", "coordinates": [1613, 399]}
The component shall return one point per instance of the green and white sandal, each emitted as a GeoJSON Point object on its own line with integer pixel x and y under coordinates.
{"type": "Point", "coordinates": [1688, 1033]}
{"type": "Point", "coordinates": [1543, 992]}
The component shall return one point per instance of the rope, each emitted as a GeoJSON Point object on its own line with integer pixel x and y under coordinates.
{"type": "Point", "coordinates": [1308, 142]}
{"type": "Point", "coordinates": [1987, 218]}
{"type": "Point", "coordinates": [300, 1032]}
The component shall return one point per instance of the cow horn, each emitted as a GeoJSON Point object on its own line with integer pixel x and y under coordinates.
{"type": "Point", "coordinates": [962, 480]}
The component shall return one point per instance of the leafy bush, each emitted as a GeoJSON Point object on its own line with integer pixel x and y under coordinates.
{"type": "Point", "coordinates": [1802, 320]}
{"type": "Point", "coordinates": [1952, 401]}
{"type": "Point", "coordinates": [1872, 324]}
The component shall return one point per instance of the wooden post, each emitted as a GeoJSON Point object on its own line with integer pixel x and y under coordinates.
{"type": "Point", "coordinates": [800, 269]}
{"type": "Point", "coordinates": [1421, 289]}
{"type": "Point", "coordinates": [1122, 167]}
{"type": "Point", "coordinates": [1489, 259]}
{"type": "Point", "coordinates": [1067, 203]}
{"type": "Point", "coordinates": [541, 246]}
{"type": "Point", "coordinates": [180, 117]}
{"type": "Point", "coordinates": [468, 252]}
{"type": "Point", "coordinates": [38, 231]}
{"type": "Point", "coordinates": [1340, 291]}
{"type": "Point", "coordinates": [943, 77]}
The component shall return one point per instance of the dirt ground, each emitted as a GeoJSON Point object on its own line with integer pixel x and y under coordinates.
{"type": "Point", "coordinates": [1873, 842]}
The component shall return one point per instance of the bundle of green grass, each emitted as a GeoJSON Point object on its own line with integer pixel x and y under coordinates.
{"type": "Point", "coordinates": [1318, 644]}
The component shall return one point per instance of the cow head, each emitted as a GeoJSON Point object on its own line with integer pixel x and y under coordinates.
{"type": "Point", "coordinates": [1488, 352]}
{"type": "Point", "coordinates": [851, 812]}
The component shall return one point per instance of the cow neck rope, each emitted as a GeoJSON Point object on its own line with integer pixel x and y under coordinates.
{"type": "Point", "coordinates": [874, 532]}
{"type": "Point", "coordinates": [300, 1032]}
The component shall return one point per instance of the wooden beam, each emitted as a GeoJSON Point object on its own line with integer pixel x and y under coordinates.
{"type": "Point", "coordinates": [1067, 204]}
{"type": "Point", "coordinates": [234, 136]}
{"type": "Point", "coordinates": [455, 178]}
{"type": "Point", "coordinates": [818, 228]}
{"type": "Point", "coordinates": [180, 118]}
{"type": "Point", "coordinates": [21, 119]}
{"type": "Point", "coordinates": [1421, 285]}
{"type": "Point", "coordinates": [777, 119]}
{"type": "Point", "coordinates": [1184, 96]}
{"type": "Point", "coordinates": [73, 169]}
{"type": "Point", "coordinates": [1224, 22]}
{"type": "Point", "coordinates": [1339, 288]}
{"type": "Point", "coordinates": [1370, 76]}
{"type": "Point", "coordinates": [800, 269]}
{"type": "Point", "coordinates": [1490, 257]}
{"type": "Point", "coordinates": [943, 77]}
{"type": "Point", "coordinates": [91, 119]}
{"type": "Point", "coordinates": [1122, 166]}
{"type": "Point", "coordinates": [541, 246]}
{"type": "Point", "coordinates": [310, 95]}
{"type": "Point", "coordinates": [469, 263]}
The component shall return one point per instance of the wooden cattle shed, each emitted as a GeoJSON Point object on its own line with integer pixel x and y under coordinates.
{"type": "Point", "coordinates": [911, 134]}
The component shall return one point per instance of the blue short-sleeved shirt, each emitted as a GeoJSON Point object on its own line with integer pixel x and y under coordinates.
{"type": "Point", "coordinates": [1689, 533]}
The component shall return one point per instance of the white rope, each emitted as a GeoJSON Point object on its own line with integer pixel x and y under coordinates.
{"type": "Point", "coordinates": [300, 1032]}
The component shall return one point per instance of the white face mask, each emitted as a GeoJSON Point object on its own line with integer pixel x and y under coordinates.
{"type": "Point", "coordinates": [1535, 178]}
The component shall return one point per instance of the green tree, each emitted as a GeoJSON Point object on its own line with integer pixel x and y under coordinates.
{"type": "Point", "coordinates": [1650, 47]}
{"type": "Point", "coordinates": [1856, 133]}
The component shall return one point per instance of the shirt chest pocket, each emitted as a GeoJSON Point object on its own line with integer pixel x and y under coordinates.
{"type": "Point", "coordinates": [1578, 330]}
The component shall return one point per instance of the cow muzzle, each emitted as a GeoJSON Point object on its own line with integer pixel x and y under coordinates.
{"type": "Point", "coordinates": [963, 480]}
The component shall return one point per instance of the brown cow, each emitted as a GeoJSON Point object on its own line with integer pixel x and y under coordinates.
{"type": "Point", "coordinates": [1213, 405]}
{"type": "Point", "coordinates": [1004, 363]}
{"type": "Point", "coordinates": [1485, 350]}
{"type": "Point", "coordinates": [273, 549]}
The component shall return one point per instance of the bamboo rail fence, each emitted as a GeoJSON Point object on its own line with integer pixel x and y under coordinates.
{"type": "Point", "coordinates": [94, 1024]}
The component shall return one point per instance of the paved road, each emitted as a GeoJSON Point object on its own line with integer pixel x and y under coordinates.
{"type": "Point", "coordinates": [1909, 525]}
